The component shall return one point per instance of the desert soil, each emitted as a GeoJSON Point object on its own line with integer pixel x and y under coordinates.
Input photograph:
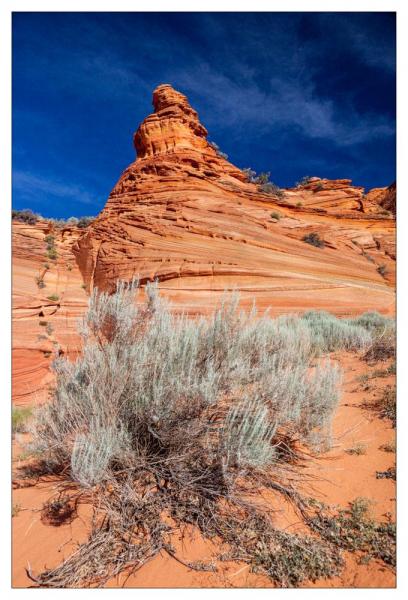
{"type": "Point", "coordinates": [336, 477]}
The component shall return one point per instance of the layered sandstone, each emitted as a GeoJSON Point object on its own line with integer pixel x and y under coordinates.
{"type": "Point", "coordinates": [48, 298]}
{"type": "Point", "coordinates": [183, 215]}
{"type": "Point", "coordinates": [385, 198]}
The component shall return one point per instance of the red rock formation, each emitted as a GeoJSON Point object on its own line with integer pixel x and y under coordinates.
{"type": "Point", "coordinates": [384, 198]}
{"type": "Point", "coordinates": [44, 318]}
{"type": "Point", "coordinates": [184, 215]}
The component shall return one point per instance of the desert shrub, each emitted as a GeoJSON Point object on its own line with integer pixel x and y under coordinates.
{"type": "Point", "coordinates": [250, 174]}
{"type": "Point", "coordinates": [53, 297]}
{"type": "Point", "coordinates": [299, 204]}
{"type": "Point", "coordinates": [271, 188]}
{"type": "Point", "coordinates": [262, 178]}
{"type": "Point", "coordinates": [49, 240]}
{"type": "Point", "coordinates": [382, 270]}
{"type": "Point", "coordinates": [386, 405]}
{"type": "Point", "coordinates": [372, 321]}
{"type": "Point", "coordinates": [51, 250]}
{"type": "Point", "coordinates": [247, 435]}
{"type": "Point", "coordinates": [57, 223]}
{"type": "Point", "coordinates": [40, 282]}
{"type": "Point", "coordinates": [163, 370]}
{"type": "Point", "coordinates": [382, 329]}
{"type": "Point", "coordinates": [162, 414]}
{"type": "Point", "coordinates": [318, 187]}
{"type": "Point", "coordinates": [84, 222]}
{"type": "Point", "coordinates": [218, 151]}
{"type": "Point", "coordinates": [52, 253]}
{"type": "Point", "coordinates": [19, 417]}
{"type": "Point", "coordinates": [388, 447]}
{"type": "Point", "coordinates": [355, 530]}
{"type": "Point", "coordinates": [275, 215]}
{"type": "Point", "coordinates": [357, 449]}
{"type": "Point", "coordinates": [329, 333]}
{"type": "Point", "coordinates": [313, 239]}
{"type": "Point", "coordinates": [25, 216]}
{"type": "Point", "coordinates": [304, 181]}
{"type": "Point", "coordinates": [72, 221]}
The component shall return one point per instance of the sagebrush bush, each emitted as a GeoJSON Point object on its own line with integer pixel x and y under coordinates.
{"type": "Point", "coordinates": [329, 333]}
{"type": "Point", "coordinates": [145, 372]}
{"type": "Point", "coordinates": [162, 414]}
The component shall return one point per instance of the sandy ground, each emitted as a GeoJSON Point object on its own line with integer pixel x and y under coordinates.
{"type": "Point", "coordinates": [338, 478]}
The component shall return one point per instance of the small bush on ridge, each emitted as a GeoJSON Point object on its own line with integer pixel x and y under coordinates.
{"type": "Point", "coordinates": [314, 240]}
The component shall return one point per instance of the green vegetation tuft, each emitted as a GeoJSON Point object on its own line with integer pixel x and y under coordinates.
{"type": "Point", "coordinates": [19, 417]}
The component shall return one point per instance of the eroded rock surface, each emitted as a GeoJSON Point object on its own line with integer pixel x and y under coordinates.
{"type": "Point", "coordinates": [184, 215]}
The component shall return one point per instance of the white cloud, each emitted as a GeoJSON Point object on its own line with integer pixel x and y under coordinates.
{"type": "Point", "coordinates": [29, 186]}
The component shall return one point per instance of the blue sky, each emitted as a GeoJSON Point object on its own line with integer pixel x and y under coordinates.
{"type": "Point", "coordinates": [291, 93]}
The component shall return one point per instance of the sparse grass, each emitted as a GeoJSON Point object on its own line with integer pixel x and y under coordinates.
{"type": "Point", "coordinates": [355, 530]}
{"type": "Point", "coordinates": [314, 240]}
{"type": "Point", "coordinates": [390, 473]}
{"type": "Point", "coordinates": [357, 449]}
{"type": "Point", "coordinates": [388, 447]}
{"type": "Point", "coordinates": [53, 297]}
{"type": "Point", "coordinates": [19, 418]}
{"type": "Point", "coordinates": [386, 405]}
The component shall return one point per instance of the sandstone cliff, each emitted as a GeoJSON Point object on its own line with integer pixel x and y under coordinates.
{"type": "Point", "coordinates": [184, 215]}
{"type": "Point", "coordinates": [48, 299]}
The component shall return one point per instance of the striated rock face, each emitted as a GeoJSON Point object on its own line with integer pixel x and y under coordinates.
{"type": "Point", "coordinates": [385, 198]}
{"type": "Point", "coordinates": [187, 217]}
{"type": "Point", "coordinates": [44, 318]}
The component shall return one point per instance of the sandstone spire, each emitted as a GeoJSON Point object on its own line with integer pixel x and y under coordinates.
{"type": "Point", "coordinates": [184, 215]}
{"type": "Point", "coordinates": [174, 125]}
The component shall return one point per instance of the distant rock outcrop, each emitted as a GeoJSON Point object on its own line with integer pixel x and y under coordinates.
{"type": "Point", "coordinates": [184, 215]}
{"type": "Point", "coordinates": [385, 198]}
